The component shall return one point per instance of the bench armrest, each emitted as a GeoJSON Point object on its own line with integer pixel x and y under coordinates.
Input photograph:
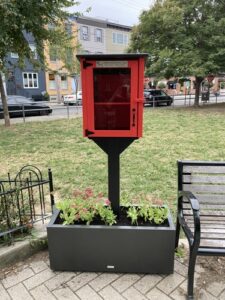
{"type": "Point", "coordinates": [191, 198]}
{"type": "Point", "coordinates": [194, 239]}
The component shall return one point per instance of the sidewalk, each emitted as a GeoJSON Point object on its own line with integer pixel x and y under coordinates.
{"type": "Point", "coordinates": [33, 279]}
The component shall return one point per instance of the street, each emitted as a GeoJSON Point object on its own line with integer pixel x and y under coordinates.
{"type": "Point", "coordinates": [60, 111]}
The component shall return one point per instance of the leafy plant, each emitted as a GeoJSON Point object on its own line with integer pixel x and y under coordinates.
{"type": "Point", "coordinates": [85, 207]}
{"type": "Point", "coordinates": [146, 208]}
{"type": "Point", "coordinates": [133, 214]}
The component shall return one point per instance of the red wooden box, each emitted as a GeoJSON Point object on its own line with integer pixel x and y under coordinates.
{"type": "Point", "coordinates": [112, 94]}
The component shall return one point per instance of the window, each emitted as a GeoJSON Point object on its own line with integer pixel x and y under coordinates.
{"type": "Point", "coordinates": [34, 51]}
{"type": "Point", "coordinates": [14, 55]}
{"type": "Point", "coordinates": [84, 33]}
{"type": "Point", "coordinates": [68, 29]}
{"type": "Point", "coordinates": [125, 37]}
{"type": "Point", "coordinates": [69, 56]}
{"type": "Point", "coordinates": [53, 53]}
{"type": "Point", "coordinates": [52, 81]}
{"type": "Point", "coordinates": [98, 35]}
{"type": "Point", "coordinates": [30, 80]}
{"type": "Point", "coordinates": [64, 82]}
{"type": "Point", "coordinates": [120, 38]}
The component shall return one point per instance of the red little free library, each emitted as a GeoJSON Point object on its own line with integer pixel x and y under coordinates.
{"type": "Point", "coordinates": [112, 91]}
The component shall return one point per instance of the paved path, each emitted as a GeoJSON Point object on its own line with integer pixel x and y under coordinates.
{"type": "Point", "coordinates": [33, 279]}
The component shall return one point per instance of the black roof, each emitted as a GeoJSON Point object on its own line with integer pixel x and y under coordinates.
{"type": "Point", "coordinates": [112, 56]}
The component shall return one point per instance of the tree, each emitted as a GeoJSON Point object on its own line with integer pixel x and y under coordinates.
{"type": "Point", "coordinates": [183, 38]}
{"type": "Point", "coordinates": [32, 17]}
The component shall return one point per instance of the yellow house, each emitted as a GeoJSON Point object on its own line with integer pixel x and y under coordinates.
{"type": "Point", "coordinates": [59, 81]}
{"type": "Point", "coordinates": [117, 37]}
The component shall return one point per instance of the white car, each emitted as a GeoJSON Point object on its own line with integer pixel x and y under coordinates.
{"type": "Point", "coordinates": [73, 99]}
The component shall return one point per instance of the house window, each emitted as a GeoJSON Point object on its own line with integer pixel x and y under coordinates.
{"type": "Point", "coordinates": [30, 80]}
{"type": "Point", "coordinates": [52, 81]}
{"type": "Point", "coordinates": [64, 82]}
{"type": "Point", "coordinates": [84, 33]}
{"type": "Point", "coordinates": [125, 38]}
{"type": "Point", "coordinates": [98, 35]}
{"type": "Point", "coordinates": [68, 29]}
{"type": "Point", "coordinates": [120, 38]}
{"type": "Point", "coordinates": [34, 51]}
{"type": "Point", "coordinates": [53, 53]}
{"type": "Point", "coordinates": [14, 55]}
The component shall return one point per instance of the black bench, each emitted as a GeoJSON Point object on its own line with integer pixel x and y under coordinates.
{"type": "Point", "coordinates": [201, 210]}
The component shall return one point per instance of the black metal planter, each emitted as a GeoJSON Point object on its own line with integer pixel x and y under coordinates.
{"type": "Point", "coordinates": [102, 248]}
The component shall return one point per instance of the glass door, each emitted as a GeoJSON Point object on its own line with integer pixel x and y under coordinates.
{"type": "Point", "coordinates": [112, 95]}
{"type": "Point", "coordinates": [112, 100]}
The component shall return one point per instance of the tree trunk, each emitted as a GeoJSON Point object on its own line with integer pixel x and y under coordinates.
{"type": "Point", "coordinates": [198, 81]}
{"type": "Point", "coordinates": [4, 102]}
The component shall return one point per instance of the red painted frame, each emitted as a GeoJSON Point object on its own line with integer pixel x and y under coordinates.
{"type": "Point", "coordinates": [135, 62]}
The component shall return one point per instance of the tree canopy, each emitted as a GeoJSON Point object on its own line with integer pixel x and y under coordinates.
{"type": "Point", "coordinates": [183, 38]}
{"type": "Point", "coordinates": [32, 17]}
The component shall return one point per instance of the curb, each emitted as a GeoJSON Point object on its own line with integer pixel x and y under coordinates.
{"type": "Point", "coordinates": [21, 250]}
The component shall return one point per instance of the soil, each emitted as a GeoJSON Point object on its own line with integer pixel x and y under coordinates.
{"type": "Point", "coordinates": [213, 271]}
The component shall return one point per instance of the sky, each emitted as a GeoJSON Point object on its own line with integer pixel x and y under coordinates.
{"type": "Point", "coordinates": [124, 12]}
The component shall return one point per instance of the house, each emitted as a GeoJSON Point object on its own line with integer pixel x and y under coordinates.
{"type": "Point", "coordinates": [91, 35]}
{"type": "Point", "coordinates": [59, 80]}
{"type": "Point", "coordinates": [102, 36]}
{"type": "Point", "coordinates": [29, 81]}
{"type": "Point", "coordinates": [117, 37]}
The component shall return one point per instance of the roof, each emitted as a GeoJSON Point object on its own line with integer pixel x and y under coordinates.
{"type": "Point", "coordinates": [112, 56]}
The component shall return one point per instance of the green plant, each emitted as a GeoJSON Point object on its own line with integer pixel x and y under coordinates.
{"type": "Point", "coordinates": [133, 214]}
{"type": "Point", "coordinates": [153, 214]}
{"type": "Point", "coordinates": [180, 252]}
{"type": "Point", "coordinates": [85, 207]}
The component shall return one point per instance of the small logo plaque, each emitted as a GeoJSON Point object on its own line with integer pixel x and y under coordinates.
{"type": "Point", "coordinates": [112, 63]}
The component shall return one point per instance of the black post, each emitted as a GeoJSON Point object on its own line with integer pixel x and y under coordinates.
{"type": "Point", "coordinates": [114, 180]}
{"type": "Point", "coordinates": [51, 188]}
{"type": "Point", "coordinates": [113, 147]}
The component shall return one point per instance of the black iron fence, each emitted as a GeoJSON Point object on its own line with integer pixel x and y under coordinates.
{"type": "Point", "coordinates": [60, 111]}
{"type": "Point", "coordinates": [24, 200]}
{"type": "Point", "coordinates": [53, 110]}
{"type": "Point", "coordinates": [184, 100]}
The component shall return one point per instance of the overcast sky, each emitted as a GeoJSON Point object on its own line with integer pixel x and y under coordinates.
{"type": "Point", "coordinates": [125, 12]}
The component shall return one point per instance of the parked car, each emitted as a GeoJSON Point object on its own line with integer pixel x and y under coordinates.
{"type": "Point", "coordinates": [73, 99]}
{"type": "Point", "coordinates": [156, 97]}
{"type": "Point", "coordinates": [16, 105]}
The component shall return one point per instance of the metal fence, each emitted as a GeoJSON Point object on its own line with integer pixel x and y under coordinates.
{"type": "Point", "coordinates": [183, 100]}
{"type": "Point", "coordinates": [23, 201]}
{"type": "Point", "coordinates": [60, 111]}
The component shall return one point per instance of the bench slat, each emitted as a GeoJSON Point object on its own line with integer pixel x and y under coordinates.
{"type": "Point", "coordinates": [212, 243]}
{"type": "Point", "coordinates": [203, 188]}
{"type": "Point", "coordinates": [209, 198]}
{"type": "Point", "coordinates": [204, 169]}
{"type": "Point", "coordinates": [195, 178]}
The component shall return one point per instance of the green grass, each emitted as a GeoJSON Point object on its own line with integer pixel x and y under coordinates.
{"type": "Point", "coordinates": [148, 166]}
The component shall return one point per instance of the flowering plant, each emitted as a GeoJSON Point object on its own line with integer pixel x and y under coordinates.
{"type": "Point", "coordinates": [85, 207]}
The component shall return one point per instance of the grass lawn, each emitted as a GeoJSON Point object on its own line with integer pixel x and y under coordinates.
{"type": "Point", "coordinates": [148, 166]}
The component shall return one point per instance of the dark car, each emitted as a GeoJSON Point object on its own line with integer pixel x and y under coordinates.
{"type": "Point", "coordinates": [156, 97]}
{"type": "Point", "coordinates": [18, 104]}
